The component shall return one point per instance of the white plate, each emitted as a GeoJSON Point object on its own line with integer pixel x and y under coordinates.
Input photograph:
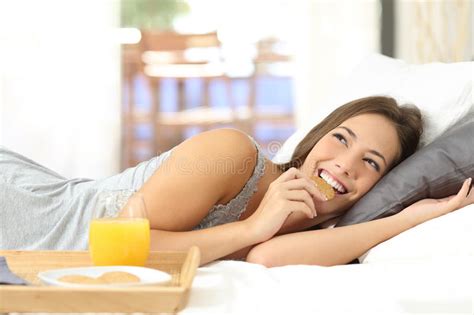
{"type": "Point", "coordinates": [148, 276]}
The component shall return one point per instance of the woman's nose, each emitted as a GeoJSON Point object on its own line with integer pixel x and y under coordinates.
{"type": "Point", "coordinates": [344, 169]}
{"type": "Point", "coordinates": [346, 165]}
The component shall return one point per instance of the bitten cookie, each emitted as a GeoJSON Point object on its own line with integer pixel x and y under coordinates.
{"type": "Point", "coordinates": [324, 187]}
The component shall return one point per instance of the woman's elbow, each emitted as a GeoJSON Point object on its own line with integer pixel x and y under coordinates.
{"type": "Point", "coordinates": [259, 256]}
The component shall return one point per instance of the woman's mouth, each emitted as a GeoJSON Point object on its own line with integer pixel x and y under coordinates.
{"type": "Point", "coordinates": [338, 187]}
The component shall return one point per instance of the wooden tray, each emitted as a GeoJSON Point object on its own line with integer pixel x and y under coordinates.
{"type": "Point", "coordinates": [150, 299]}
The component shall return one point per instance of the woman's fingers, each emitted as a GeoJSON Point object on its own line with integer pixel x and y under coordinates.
{"type": "Point", "coordinates": [308, 185]}
{"type": "Point", "coordinates": [463, 192]}
{"type": "Point", "coordinates": [469, 196]}
{"type": "Point", "coordinates": [299, 180]}
{"type": "Point", "coordinates": [302, 196]}
{"type": "Point", "coordinates": [299, 206]}
{"type": "Point", "coordinates": [469, 190]}
{"type": "Point", "coordinates": [291, 173]}
{"type": "Point", "coordinates": [464, 197]}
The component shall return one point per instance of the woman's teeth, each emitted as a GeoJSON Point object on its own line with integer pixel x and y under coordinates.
{"type": "Point", "coordinates": [337, 187]}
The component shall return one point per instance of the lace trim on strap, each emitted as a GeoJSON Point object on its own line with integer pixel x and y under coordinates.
{"type": "Point", "coordinates": [231, 212]}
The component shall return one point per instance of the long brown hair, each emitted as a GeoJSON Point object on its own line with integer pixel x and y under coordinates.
{"type": "Point", "coordinates": [406, 119]}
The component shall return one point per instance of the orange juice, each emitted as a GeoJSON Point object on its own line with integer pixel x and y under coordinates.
{"type": "Point", "coordinates": [119, 241]}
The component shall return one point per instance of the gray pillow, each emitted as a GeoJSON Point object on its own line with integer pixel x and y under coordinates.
{"type": "Point", "coordinates": [435, 171]}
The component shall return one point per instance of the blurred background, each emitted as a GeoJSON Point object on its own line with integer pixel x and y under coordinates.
{"type": "Point", "coordinates": [89, 88]}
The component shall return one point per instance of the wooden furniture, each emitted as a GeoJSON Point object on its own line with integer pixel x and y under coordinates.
{"type": "Point", "coordinates": [169, 55]}
{"type": "Point", "coordinates": [131, 68]}
{"type": "Point", "coordinates": [166, 55]}
{"type": "Point", "coordinates": [268, 56]}
{"type": "Point", "coordinates": [150, 299]}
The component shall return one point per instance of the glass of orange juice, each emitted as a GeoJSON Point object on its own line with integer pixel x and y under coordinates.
{"type": "Point", "coordinates": [119, 232]}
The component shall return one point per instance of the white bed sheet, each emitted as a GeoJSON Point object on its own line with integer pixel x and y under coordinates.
{"type": "Point", "coordinates": [444, 286]}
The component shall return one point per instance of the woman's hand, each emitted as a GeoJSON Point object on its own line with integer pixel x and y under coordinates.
{"type": "Point", "coordinates": [293, 191]}
{"type": "Point", "coordinates": [428, 209]}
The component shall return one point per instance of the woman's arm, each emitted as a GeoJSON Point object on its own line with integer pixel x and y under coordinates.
{"type": "Point", "coordinates": [285, 195]}
{"type": "Point", "coordinates": [214, 243]}
{"type": "Point", "coordinates": [203, 171]}
{"type": "Point", "coordinates": [209, 169]}
{"type": "Point", "coordinates": [341, 245]}
{"type": "Point", "coordinates": [326, 247]}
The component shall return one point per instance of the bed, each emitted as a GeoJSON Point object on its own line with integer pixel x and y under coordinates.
{"type": "Point", "coordinates": [418, 271]}
{"type": "Point", "coordinates": [427, 269]}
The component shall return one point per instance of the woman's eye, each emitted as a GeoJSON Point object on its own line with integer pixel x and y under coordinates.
{"type": "Point", "coordinates": [341, 138]}
{"type": "Point", "coordinates": [374, 164]}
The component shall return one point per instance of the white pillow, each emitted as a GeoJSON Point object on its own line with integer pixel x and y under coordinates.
{"type": "Point", "coordinates": [443, 92]}
{"type": "Point", "coordinates": [446, 236]}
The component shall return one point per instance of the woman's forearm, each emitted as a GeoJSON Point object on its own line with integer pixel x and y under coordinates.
{"type": "Point", "coordinates": [327, 247]}
{"type": "Point", "coordinates": [214, 243]}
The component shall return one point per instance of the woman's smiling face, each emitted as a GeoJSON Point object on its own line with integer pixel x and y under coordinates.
{"type": "Point", "coordinates": [353, 157]}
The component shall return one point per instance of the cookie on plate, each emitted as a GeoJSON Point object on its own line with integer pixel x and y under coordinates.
{"type": "Point", "coordinates": [118, 277]}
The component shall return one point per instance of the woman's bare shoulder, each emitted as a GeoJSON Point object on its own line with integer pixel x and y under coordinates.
{"type": "Point", "coordinates": [227, 155]}
{"type": "Point", "coordinates": [202, 171]}
{"type": "Point", "coordinates": [220, 143]}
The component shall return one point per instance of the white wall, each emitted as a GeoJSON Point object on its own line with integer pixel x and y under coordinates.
{"type": "Point", "coordinates": [333, 37]}
{"type": "Point", "coordinates": [433, 30]}
{"type": "Point", "coordinates": [60, 84]}
{"type": "Point", "coordinates": [328, 37]}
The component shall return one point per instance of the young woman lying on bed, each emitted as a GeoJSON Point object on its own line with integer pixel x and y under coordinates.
{"type": "Point", "coordinates": [217, 191]}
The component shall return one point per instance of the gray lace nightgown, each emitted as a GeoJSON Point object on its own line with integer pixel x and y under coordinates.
{"type": "Point", "coordinates": [40, 209]}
